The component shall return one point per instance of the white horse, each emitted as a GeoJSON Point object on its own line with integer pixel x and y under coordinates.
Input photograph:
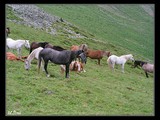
{"type": "Point", "coordinates": [32, 55]}
{"type": "Point", "coordinates": [17, 44]}
{"type": "Point", "coordinates": [113, 59]}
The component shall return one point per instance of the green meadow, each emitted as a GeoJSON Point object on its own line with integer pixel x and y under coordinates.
{"type": "Point", "coordinates": [121, 29]}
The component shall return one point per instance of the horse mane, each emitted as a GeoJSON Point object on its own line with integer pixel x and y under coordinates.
{"type": "Point", "coordinates": [58, 48]}
{"type": "Point", "coordinates": [42, 44]}
{"type": "Point", "coordinates": [83, 47]}
{"type": "Point", "coordinates": [139, 62]}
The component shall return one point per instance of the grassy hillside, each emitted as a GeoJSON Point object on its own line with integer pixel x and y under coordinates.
{"type": "Point", "coordinates": [98, 91]}
{"type": "Point", "coordinates": [128, 26]}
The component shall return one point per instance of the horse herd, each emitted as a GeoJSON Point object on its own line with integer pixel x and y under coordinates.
{"type": "Point", "coordinates": [67, 59]}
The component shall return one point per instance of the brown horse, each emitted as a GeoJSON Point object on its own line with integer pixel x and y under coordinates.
{"type": "Point", "coordinates": [97, 54]}
{"type": "Point", "coordinates": [35, 45]}
{"type": "Point", "coordinates": [11, 56]}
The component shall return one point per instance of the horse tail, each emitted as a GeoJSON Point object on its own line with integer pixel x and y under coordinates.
{"type": "Point", "coordinates": [109, 62]}
{"type": "Point", "coordinates": [39, 61]}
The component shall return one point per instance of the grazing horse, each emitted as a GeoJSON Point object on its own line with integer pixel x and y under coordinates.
{"type": "Point", "coordinates": [64, 57]}
{"type": "Point", "coordinates": [54, 47]}
{"type": "Point", "coordinates": [35, 45]}
{"type": "Point", "coordinates": [74, 66]}
{"type": "Point", "coordinates": [113, 59]}
{"type": "Point", "coordinates": [8, 31]}
{"type": "Point", "coordinates": [147, 67]}
{"type": "Point", "coordinates": [97, 54]}
{"type": "Point", "coordinates": [34, 55]}
{"type": "Point", "coordinates": [17, 44]}
{"type": "Point", "coordinates": [11, 56]}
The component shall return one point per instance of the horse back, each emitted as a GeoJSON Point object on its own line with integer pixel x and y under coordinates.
{"type": "Point", "coordinates": [148, 67]}
{"type": "Point", "coordinates": [57, 57]}
{"type": "Point", "coordinates": [94, 54]}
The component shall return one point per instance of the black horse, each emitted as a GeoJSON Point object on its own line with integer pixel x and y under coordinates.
{"type": "Point", "coordinates": [64, 57]}
{"type": "Point", "coordinates": [35, 45]}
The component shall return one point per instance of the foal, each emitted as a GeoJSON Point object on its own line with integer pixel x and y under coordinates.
{"type": "Point", "coordinates": [11, 56]}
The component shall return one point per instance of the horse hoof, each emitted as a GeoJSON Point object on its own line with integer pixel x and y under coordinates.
{"type": "Point", "coordinates": [48, 75]}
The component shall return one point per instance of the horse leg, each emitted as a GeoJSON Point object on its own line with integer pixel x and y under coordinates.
{"type": "Point", "coordinates": [122, 68]}
{"type": "Point", "coordinates": [146, 74]}
{"type": "Point", "coordinates": [112, 66]}
{"type": "Point", "coordinates": [42, 65]}
{"type": "Point", "coordinates": [30, 50]}
{"type": "Point", "coordinates": [67, 70]}
{"type": "Point", "coordinates": [45, 67]}
{"type": "Point", "coordinates": [62, 68]}
{"type": "Point", "coordinates": [19, 52]}
{"type": "Point", "coordinates": [98, 61]}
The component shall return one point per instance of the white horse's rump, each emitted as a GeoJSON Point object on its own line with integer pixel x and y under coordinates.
{"type": "Point", "coordinates": [34, 54]}
{"type": "Point", "coordinates": [113, 59]}
{"type": "Point", "coordinates": [17, 44]}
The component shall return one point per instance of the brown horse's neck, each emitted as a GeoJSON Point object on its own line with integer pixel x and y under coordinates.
{"type": "Point", "coordinates": [105, 53]}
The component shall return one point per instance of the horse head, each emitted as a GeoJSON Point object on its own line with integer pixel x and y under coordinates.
{"type": "Point", "coordinates": [27, 45]}
{"type": "Point", "coordinates": [130, 56]}
{"type": "Point", "coordinates": [77, 66]}
{"type": "Point", "coordinates": [8, 30]}
{"type": "Point", "coordinates": [142, 63]}
{"type": "Point", "coordinates": [83, 57]}
{"type": "Point", "coordinates": [26, 64]}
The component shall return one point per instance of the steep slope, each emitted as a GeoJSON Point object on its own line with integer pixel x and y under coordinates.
{"type": "Point", "coordinates": [128, 26]}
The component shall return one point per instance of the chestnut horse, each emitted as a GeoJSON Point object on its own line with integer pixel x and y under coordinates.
{"type": "Point", "coordinates": [11, 56]}
{"type": "Point", "coordinates": [97, 54]}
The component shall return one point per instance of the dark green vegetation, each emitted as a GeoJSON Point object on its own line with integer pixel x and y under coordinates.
{"type": "Point", "coordinates": [98, 91]}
